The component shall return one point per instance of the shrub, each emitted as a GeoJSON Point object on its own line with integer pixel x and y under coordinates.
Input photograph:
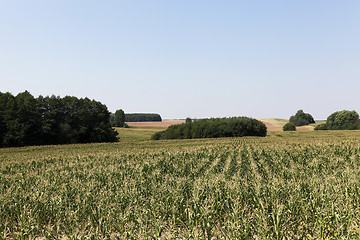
{"type": "Point", "coordinates": [157, 135]}
{"type": "Point", "coordinates": [301, 118]}
{"type": "Point", "coordinates": [321, 127]}
{"type": "Point", "coordinates": [289, 127]}
{"type": "Point", "coordinates": [214, 128]}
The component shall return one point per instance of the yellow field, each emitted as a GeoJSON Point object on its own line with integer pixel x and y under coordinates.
{"type": "Point", "coordinates": [278, 122]}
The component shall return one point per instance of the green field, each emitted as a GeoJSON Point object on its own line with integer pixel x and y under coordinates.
{"type": "Point", "coordinates": [288, 185]}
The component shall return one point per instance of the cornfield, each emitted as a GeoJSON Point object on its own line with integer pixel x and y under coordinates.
{"type": "Point", "coordinates": [301, 185]}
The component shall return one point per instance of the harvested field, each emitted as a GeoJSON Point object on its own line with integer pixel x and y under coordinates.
{"type": "Point", "coordinates": [276, 124]}
{"type": "Point", "coordinates": [272, 127]}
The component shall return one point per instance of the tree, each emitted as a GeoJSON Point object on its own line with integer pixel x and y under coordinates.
{"type": "Point", "coordinates": [301, 118]}
{"type": "Point", "coordinates": [343, 120]}
{"type": "Point", "coordinates": [119, 118]}
{"type": "Point", "coordinates": [20, 120]}
{"type": "Point", "coordinates": [289, 127]}
{"type": "Point", "coordinates": [25, 120]}
{"type": "Point", "coordinates": [8, 114]}
{"type": "Point", "coordinates": [28, 119]}
{"type": "Point", "coordinates": [53, 116]}
{"type": "Point", "coordinates": [2, 121]}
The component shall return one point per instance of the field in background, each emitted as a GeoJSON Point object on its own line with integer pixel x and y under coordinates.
{"type": "Point", "coordinates": [288, 185]}
{"type": "Point", "coordinates": [163, 124]}
{"type": "Point", "coordinates": [272, 124]}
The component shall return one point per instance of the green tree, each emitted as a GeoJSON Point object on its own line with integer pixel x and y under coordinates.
{"type": "Point", "coordinates": [8, 114]}
{"type": "Point", "coordinates": [28, 119]}
{"type": "Point", "coordinates": [343, 120]}
{"type": "Point", "coordinates": [301, 118]}
{"type": "Point", "coordinates": [25, 120]}
{"type": "Point", "coordinates": [20, 119]}
{"type": "Point", "coordinates": [53, 119]}
{"type": "Point", "coordinates": [119, 118]}
{"type": "Point", "coordinates": [3, 129]}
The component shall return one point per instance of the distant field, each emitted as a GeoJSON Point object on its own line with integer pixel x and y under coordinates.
{"type": "Point", "coordinates": [287, 185]}
{"type": "Point", "coordinates": [163, 124]}
{"type": "Point", "coordinates": [272, 124]}
{"type": "Point", "coordinates": [276, 124]}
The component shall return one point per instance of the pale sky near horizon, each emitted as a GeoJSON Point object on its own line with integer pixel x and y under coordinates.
{"type": "Point", "coordinates": [197, 59]}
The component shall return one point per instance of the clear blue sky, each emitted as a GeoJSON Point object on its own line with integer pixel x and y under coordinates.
{"type": "Point", "coordinates": [186, 58]}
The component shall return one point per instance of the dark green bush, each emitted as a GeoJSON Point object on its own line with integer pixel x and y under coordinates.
{"type": "Point", "coordinates": [321, 127]}
{"type": "Point", "coordinates": [214, 128]}
{"type": "Point", "coordinates": [289, 127]}
{"type": "Point", "coordinates": [157, 135]}
{"type": "Point", "coordinates": [301, 118]}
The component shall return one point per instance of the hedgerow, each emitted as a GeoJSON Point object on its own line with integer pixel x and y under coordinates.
{"type": "Point", "coordinates": [214, 128]}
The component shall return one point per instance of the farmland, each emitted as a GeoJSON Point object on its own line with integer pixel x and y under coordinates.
{"type": "Point", "coordinates": [288, 185]}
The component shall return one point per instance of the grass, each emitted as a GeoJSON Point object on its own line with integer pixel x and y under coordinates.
{"type": "Point", "coordinates": [137, 133]}
{"type": "Point", "coordinates": [317, 123]}
{"type": "Point", "coordinates": [288, 185]}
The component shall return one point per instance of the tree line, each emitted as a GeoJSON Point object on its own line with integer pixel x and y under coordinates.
{"type": "Point", "coordinates": [119, 118]}
{"type": "Point", "coordinates": [214, 128]}
{"type": "Point", "coordinates": [26, 120]}
{"type": "Point", "coordinates": [142, 117]}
